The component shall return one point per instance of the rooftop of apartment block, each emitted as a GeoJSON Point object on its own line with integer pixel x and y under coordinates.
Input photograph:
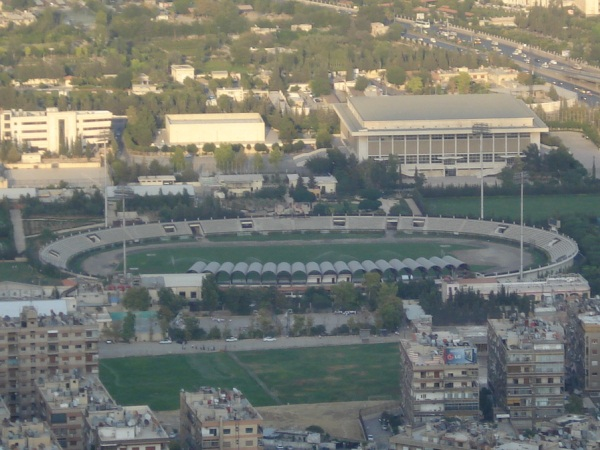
{"type": "Point", "coordinates": [35, 434]}
{"type": "Point", "coordinates": [127, 423]}
{"type": "Point", "coordinates": [43, 314]}
{"type": "Point", "coordinates": [432, 350]}
{"type": "Point", "coordinates": [529, 334]}
{"type": "Point", "coordinates": [75, 392]}
{"type": "Point", "coordinates": [214, 404]}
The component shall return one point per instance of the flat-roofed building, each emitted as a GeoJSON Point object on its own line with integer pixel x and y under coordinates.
{"type": "Point", "coordinates": [34, 435]}
{"type": "Point", "coordinates": [49, 130]}
{"type": "Point", "coordinates": [200, 129]}
{"type": "Point", "coordinates": [438, 380]}
{"type": "Point", "coordinates": [526, 368]}
{"type": "Point", "coordinates": [218, 419]}
{"type": "Point", "coordinates": [64, 401]}
{"type": "Point", "coordinates": [440, 135]}
{"type": "Point", "coordinates": [36, 345]}
{"type": "Point", "coordinates": [124, 428]}
{"type": "Point", "coordinates": [584, 352]}
{"type": "Point", "coordinates": [179, 72]}
{"type": "Point", "coordinates": [237, 185]}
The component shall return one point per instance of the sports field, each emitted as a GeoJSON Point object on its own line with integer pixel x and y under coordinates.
{"type": "Point", "coordinates": [294, 376]}
{"type": "Point", "coordinates": [180, 259]}
{"type": "Point", "coordinates": [536, 208]}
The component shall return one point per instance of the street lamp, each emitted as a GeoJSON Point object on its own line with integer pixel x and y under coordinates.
{"type": "Point", "coordinates": [479, 129]}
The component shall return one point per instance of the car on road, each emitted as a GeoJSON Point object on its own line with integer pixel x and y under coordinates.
{"type": "Point", "coordinates": [370, 438]}
{"type": "Point", "coordinates": [269, 339]}
{"type": "Point", "coordinates": [231, 339]}
{"type": "Point", "coordinates": [553, 62]}
{"type": "Point", "coordinates": [108, 341]}
{"type": "Point", "coordinates": [166, 341]}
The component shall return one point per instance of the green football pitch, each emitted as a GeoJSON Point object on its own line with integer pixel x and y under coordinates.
{"type": "Point", "coordinates": [294, 376]}
{"type": "Point", "coordinates": [180, 259]}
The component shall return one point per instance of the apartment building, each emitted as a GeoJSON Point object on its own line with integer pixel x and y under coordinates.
{"type": "Point", "coordinates": [50, 129]}
{"type": "Point", "coordinates": [438, 379]}
{"type": "Point", "coordinates": [526, 368]}
{"type": "Point", "coordinates": [218, 419]}
{"type": "Point", "coordinates": [33, 435]}
{"type": "Point", "coordinates": [584, 351]}
{"type": "Point", "coordinates": [36, 345]}
{"type": "Point", "coordinates": [124, 428]}
{"type": "Point", "coordinates": [63, 402]}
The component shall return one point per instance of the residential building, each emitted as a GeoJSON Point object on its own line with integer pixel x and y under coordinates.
{"type": "Point", "coordinates": [200, 129]}
{"type": "Point", "coordinates": [124, 428]}
{"type": "Point", "coordinates": [440, 135]}
{"type": "Point", "coordinates": [562, 287]}
{"type": "Point", "coordinates": [589, 8]}
{"type": "Point", "coordinates": [63, 402]}
{"type": "Point", "coordinates": [526, 368]}
{"type": "Point", "coordinates": [35, 345]}
{"type": "Point", "coordinates": [218, 419]}
{"type": "Point", "coordinates": [186, 285]}
{"type": "Point", "coordinates": [584, 352]}
{"type": "Point", "coordinates": [179, 72]}
{"type": "Point", "coordinates": [24, 435]}
{"type": "Point", "coordinates": [50, 129]}
{"type": "Point", "coordinates": [438, 379]}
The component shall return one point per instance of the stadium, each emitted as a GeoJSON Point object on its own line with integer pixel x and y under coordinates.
{"type": "Point", "coordinates": [559, 249]}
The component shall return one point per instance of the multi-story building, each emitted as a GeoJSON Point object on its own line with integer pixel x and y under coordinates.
{"type": "Point", "coordinates": [49, 130]}
{"type": "Point", "coordinates": [34, 435]}
{"type": "Point", "coordinates": [35, 345]}
{"type": "Point", "coordinates": [526, 368]}
{"type": "Point", "coordinates": [584, 352]}
{"type": "Point", "coordinates": [438, 380]}
{"type": "Point", "coordinates": [180, 72]}
{"type": "Point", "coordinates": [64, 401]}
{"type": "Point", "coordinates": [124, 428]}
{"type": "Point", "coordinates": [440, 135]}
{"type": "Point", "coordinates": [218, 419]}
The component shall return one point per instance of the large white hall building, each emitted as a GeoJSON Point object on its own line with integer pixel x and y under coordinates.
{"type": "Point", "coordinates": [440, 135]}
{"type": "Point", "coordinates": [47, 130]}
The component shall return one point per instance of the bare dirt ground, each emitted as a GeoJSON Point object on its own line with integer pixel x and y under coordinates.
{"type": "Point", "coordinates": [337, 419]}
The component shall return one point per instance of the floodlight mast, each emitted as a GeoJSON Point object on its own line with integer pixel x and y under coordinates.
{"type": "Point", "coordinates": [479, 129]}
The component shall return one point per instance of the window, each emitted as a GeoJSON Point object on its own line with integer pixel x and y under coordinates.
{"type": "Point", "coordinates": [226, 430]}
{"type": "Point", "coordinates": [248, 443]}
{"type": "Point", "coordinates": [249, 430]}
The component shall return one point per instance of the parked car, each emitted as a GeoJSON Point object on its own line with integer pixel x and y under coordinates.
{"type": "Point", "coordinates": [269, 339]}
{"type": "Point", "coordinates": [231, 339]}
{"type": "Point", "coordinates": [166, 341]}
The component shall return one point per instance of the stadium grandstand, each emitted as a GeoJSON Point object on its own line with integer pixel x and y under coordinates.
{"type": "Point", "coordinates": [559, 249]}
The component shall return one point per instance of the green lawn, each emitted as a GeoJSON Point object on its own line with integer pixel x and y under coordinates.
{"type": "Point", "coordinates": [295, 376]}
{"type": "Point", "coordinates": [24, 273]}
{"type": "Point", "coordinates": [180, 259]}
{"type": "Point", "coordinates": [536, 208]}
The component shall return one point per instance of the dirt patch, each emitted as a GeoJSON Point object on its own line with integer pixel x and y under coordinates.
{"type": "Point", "coordinates": [339, 420]}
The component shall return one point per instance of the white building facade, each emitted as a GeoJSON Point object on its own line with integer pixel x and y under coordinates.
{"type": "Point", "coordinates": [47, 130]}
{"type": "Point", "coordinates": [440, 135]}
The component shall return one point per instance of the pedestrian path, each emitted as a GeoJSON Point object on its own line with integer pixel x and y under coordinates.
{"type": "Point", "coordinates": [18, 232]}
{"type": "Point", "coordinates": [413, 207]}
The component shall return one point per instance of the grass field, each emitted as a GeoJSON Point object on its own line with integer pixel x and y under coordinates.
{"type": "Point", "coordinates": [536, 208]}
{"type": "Point", "coordinates": [180, 259]}
{"type": "Point", "coordinates": [24, 273]}
{"type": "Point", "coordinates": [295, 376]}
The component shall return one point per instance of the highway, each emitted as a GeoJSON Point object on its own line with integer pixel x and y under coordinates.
{"type": "Point", "coordinates": [557, 70]}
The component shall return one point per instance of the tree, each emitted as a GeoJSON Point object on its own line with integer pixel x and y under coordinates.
{"type": "Point", "coordinates": [395, 75]}
{"type": "Point", "coordinates": [210, 293]}
{"type": "Point", "coordinates": [169, 306]}
{"type": "Point", "coordinates": [345, 296]}
{"type": "Point", "coordinates": [224, 156]}
{"type": "Point", "coordinates": [415, 85]}
{"type": "Point", "coordinates": [137, 299]}
{"type": "Point", "coordinates": [178, 159]}
{"type": "Point", "coordinates": [258, 163]}
{"type": "Point", "coordinates": [275, 157]}
{"type": "Point", "coordinates": [128, 331]}
{"type": "Point", "coordinates": [361, 83]}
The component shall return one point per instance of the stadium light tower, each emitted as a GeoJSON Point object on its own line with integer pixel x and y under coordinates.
{"type": "Point", "coordinates": [122, 193]}
{"type": "Point", "coordinates": [479, 129]}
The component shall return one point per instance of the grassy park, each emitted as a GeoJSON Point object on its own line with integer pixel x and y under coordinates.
{"type": "Point", "coordinates": [536, 208]}
{"type": "Point", "coordinates": [295, 376]}
{"type": "Point", "coordinates": [180, 259]}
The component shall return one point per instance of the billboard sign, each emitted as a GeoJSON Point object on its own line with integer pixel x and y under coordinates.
{"type": "Point", "coordinates": [460, 355]}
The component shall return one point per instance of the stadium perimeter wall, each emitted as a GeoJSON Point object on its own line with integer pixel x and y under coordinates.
{"type": "Point", "coordinates": [560, 249]}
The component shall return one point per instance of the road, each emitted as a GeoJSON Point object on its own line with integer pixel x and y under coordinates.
{"type": "Point", "coordinates": [156, 349]}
